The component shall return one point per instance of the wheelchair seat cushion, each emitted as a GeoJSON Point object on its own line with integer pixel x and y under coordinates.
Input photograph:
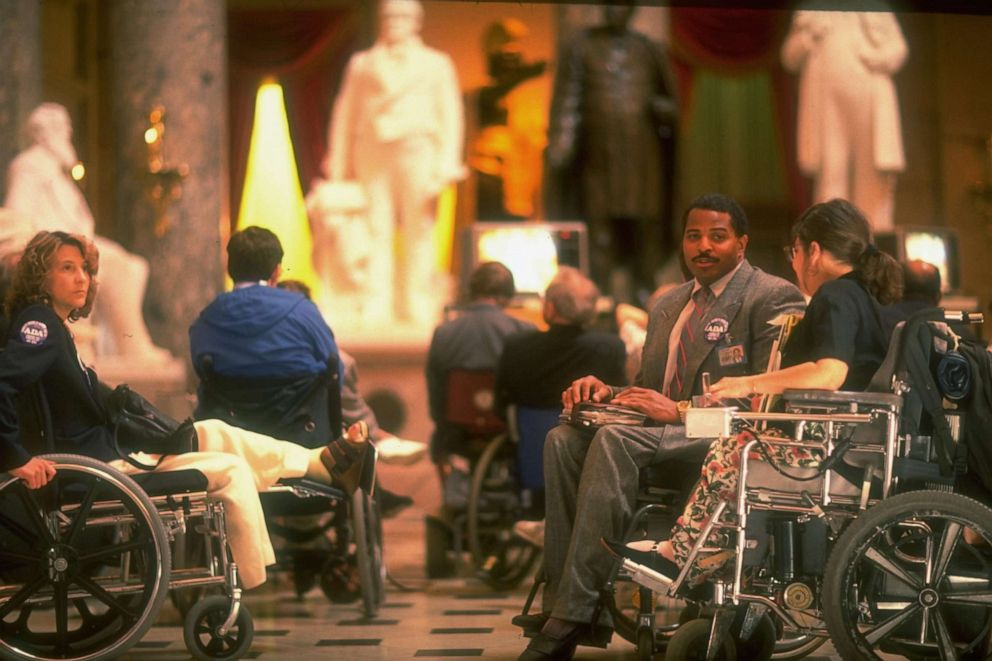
{"type": "Point", "coordinates": [166, 483]}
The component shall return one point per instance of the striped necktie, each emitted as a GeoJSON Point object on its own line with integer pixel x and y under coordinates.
{"type": "Point", "coordinates": [691, 331]}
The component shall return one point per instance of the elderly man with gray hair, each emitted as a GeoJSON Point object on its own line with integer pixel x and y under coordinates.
{"type": "Point", "coordinates": [536, 366]}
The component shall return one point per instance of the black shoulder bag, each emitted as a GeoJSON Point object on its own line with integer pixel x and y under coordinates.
{"type": "Point", "coordinates": [140, 426]}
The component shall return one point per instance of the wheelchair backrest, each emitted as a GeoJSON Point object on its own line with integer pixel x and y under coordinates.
{"type": "Point", "coordinates": [304, 409]}
{"type": "Point", "coordinates": [530, 426]}
{"type": "Point", "coordinates": [470, 402]}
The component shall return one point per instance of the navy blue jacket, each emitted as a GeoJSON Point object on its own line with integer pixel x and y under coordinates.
{"type": "Point", "coordinates": [40, 348]}
{"type": "Point", "coordinates": [262, 331]}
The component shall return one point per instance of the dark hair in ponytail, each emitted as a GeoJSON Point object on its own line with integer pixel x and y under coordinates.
{"type": "Point", "coordinates": [842, 230]}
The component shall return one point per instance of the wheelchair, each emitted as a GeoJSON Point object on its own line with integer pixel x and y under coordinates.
{"type": "Point", "coordinates": [86, 564]}
{"type": "Point", "coordinates": [499, 487]}
{"type": "Point", "coordinates": [327, 532]}
{"type": "Point", "coordinates": [880, 547]}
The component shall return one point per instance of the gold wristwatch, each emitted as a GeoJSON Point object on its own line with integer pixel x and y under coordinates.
{"type": "Point", "coordinates": [682, 406]}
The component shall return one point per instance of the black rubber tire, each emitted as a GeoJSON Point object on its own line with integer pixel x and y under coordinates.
{"type": "Point", "coordinates": [500, 559]}
{"type": "Point", "coordinates": [91, 628]}
{"type": "Point", "coordinates": [761, 644]}
{"type": "Point", "coordinates": [340, 581]}
{"type": "Point", "coordinates": [856, 567]}
{"type": "Point", "coordinates": [690, 640]}
{"type": "Point", "coordinates": [645, 644]}
{"type": "Point", "coordinates": [200, 630]}
{"type": "Point", "coordinates": [796, 647]}
{"type": "Point", "coordinates": [367, 527]}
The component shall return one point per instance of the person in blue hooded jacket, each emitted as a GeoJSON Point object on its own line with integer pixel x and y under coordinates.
{"type": "Point", "coordinates": [257, 329]}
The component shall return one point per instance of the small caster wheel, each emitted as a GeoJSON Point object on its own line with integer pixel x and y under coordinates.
{"type": "Point", "coordinates": [201, 630]}
{"type": "Point", "coordinates": [645, 644]}
{"type": "Point", "coordinates": [690, 640]}
{"type": "Point", "coordinates": [339, 581]}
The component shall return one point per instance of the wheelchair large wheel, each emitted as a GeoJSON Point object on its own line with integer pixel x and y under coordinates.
{"type": "Point", "coordinates": [904, 579]}
{"type": "Point", "coordinates": [500, 558]}
{"type": "Point", "coordinates": [368, 547]}
{"type": "Point", "coordinates": [202, 635]}
{"type": "Point", "coordinates": [84, 564]}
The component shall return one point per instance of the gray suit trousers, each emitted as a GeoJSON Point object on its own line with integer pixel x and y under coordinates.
{"type": "Point", "coordinates": [591, 483]}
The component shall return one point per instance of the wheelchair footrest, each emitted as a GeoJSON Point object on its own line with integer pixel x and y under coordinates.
{"type": "Point", "coordinates": [313, 488]}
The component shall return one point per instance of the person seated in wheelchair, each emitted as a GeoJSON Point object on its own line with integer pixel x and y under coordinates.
{"type": "Point", "coordinates": [839, 345]}
{"type": "Point", "coordinates": [55, 284]}
{"type": "Point", "coordinates": [536, 366]}
{"type": "Point", "coordinates": [263, 351]}
{"type": "Point", "coordinates": [719, 322]}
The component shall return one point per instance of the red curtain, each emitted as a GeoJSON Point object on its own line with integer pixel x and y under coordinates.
{"type": "Point", "coordinates": [306, 52]}
{"type": "Point", "coordinates": [737, 41]}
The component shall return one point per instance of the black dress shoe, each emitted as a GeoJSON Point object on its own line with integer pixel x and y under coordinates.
{"type": "Point", "coordinates": [531, 623]}
{"type": "Point", "coordinates": [650, 559]}
{"type": "Point", "coordinates": [543, 647]}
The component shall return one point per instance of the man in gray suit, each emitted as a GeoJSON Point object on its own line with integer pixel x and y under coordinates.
{"type": "Point", "coordinates": [718, 323]}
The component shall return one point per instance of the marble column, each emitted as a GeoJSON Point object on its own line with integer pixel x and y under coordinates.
{"type": "Point", "coordinates": [20, 75]}
{"type": "Point", "coordinates": [173, 54]}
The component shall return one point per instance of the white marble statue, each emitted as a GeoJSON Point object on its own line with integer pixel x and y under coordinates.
{"type": "Point", "coordinates": [41, 192]}
{"type": "Point", "coordinates": [397, 128]}
{"type": "Point", "coordinates": [849, 133]}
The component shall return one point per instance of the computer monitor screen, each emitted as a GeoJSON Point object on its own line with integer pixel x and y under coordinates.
{"type": "Point", "coordinates": [532, 251]}
{"type": "Point", "coordinates": [934, 245]}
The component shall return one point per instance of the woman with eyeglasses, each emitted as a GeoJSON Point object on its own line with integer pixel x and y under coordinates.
{"type": "Point", "coordinates": [838, 345]}
{"type": "Point", "coordinates": [54, 284]}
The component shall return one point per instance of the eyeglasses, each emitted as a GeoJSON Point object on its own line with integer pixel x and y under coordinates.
{"type": "Point", "coordinates": [790, 253]}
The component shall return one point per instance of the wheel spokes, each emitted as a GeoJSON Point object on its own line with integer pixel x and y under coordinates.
{"type": "Point", "coordinates": [971, 597]}
{"type": "Point", "coordinates": [889, 566]}
{"type": "Point", "coordinates": [115, 549]}
{"type": "Point", "coordinates": [104, 596]}
{"type": "Point", "coordinates": [945, 643]}
{"type": "Point", "coordinates": [83, 512]}
{"type": "Point", "coordinates": [948, 542]}
{"type": "Point", "coordinates": [23, 594]}
{"type": "Point", "coordinates": [887, 627]}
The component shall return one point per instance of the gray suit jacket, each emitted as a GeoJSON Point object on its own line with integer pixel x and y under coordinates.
{"type": "Point", "coordinates": [751, 299]}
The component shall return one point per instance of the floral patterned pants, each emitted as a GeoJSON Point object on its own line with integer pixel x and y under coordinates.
{"type": "Point", "coordinates": [718, 481]}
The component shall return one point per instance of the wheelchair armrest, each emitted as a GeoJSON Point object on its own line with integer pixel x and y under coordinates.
{"type": "Point", "coordinates": [167, 483]}
{"type": "Point", "coordinates": [843, 397]}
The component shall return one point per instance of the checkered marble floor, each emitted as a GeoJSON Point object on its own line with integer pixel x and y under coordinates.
{"type": "Point", "coordinates": [450, 618]}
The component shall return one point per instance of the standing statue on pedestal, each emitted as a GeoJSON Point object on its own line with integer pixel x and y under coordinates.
{"type": "Point", "coordinates": [40, 190]}
{"type": "Point", "coordinates": [505, 159]}
{"type": "Point", "coordinates": [612, 128]}
{"type": "Point", "coordinates": [849, 133]}
{"type": "Point", "coordinates": [397, 128]}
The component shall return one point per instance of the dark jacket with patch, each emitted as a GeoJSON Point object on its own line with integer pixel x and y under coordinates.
{"type": "Point", "coordinates": [40, 348]}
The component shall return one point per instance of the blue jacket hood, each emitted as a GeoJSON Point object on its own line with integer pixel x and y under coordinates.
{"type": "Point", "coordinates": [250, 311]}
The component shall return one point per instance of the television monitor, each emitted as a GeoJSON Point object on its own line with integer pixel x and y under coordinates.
{"type": "Point", "coordinates": [532, 251]}
{"type": "Point", "coordinates": [935, 245]}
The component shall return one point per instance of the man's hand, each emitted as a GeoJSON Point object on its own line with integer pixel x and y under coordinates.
{"type": "Point", "coordinates": [588, 388]}
{"type": "Point", "coordinates": [649, 402]}
{"type": "Point", "coordinates": [36, 473]}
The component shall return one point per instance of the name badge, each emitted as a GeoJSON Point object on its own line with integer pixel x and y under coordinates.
{"type": "Point", "coordinates": [715, 329]}
{"type": "Point", "coordinates": [732, 355]}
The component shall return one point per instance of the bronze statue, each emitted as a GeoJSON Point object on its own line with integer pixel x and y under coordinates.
{"type": "Point", "coordinates": [611, 135]}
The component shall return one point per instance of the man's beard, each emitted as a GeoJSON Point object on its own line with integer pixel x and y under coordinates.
{"type": "Point", "coordinates": [63, 151]}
